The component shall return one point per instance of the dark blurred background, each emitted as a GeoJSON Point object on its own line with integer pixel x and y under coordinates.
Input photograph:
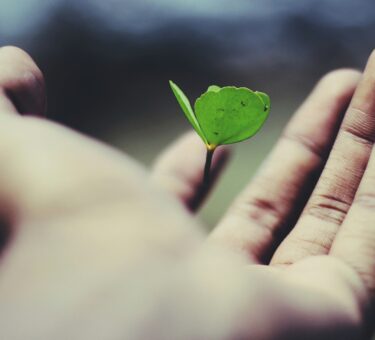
{"type": "Point", "coordinates": [107, 63]}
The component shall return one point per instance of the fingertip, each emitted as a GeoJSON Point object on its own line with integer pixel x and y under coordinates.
{"type": "Point", "coordinates": [345, 73]}
{"type": "Point", "coordinates": [21, 82]}
{"type": "Point", "coordinates": [339, 82]}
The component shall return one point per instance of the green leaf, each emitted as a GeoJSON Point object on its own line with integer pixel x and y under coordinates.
{"type": "Point", "coordinates": [186, 108]}
{"type": "Point", "coordinates": [230, 114]}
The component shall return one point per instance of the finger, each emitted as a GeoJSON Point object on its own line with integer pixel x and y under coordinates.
{"type": "Point", "coordinates": [22, 87]}
{"type": "Point", "coordinates": [273, 201]}
{"type": "Point", "coordinates": [334, 193]}
{"type": "Point", "coordinates": [355, 241]}
{"type": "Point", "coordinates": [179, 169]}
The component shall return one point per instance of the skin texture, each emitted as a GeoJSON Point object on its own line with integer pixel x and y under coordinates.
{"type": "Point", "coordinates": [97, 247]}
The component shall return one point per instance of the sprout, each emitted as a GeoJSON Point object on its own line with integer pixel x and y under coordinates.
{"type": "Point", "coordinates": [224, 115]}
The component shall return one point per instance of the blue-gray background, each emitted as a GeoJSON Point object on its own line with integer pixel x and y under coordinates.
{"type": "Point", "coordinates": [107, 63]}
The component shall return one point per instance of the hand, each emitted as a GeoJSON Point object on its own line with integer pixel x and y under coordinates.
{"type": "Point", "coordinates": [309, 214]}
{"type": "Point", "coordinates": [94, 249]}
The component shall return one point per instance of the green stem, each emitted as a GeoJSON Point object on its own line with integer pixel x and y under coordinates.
{"type": "Point", "coordinates": [207, 167]}
{"type": "Point", "coordinates": [206, 181]}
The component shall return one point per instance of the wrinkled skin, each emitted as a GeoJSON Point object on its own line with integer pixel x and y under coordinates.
{"type": "Point", "coordinates": [100, 248]}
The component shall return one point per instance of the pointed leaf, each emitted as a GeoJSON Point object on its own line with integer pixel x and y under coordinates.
{"type": "Point", "coordinates": [186, 108]}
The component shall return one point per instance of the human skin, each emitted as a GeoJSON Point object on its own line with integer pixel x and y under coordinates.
{"type": "Point", "coordinates": [101, 248]}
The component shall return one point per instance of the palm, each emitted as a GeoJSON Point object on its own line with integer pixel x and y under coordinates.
{"type": "Point", "coordinates": [91, 232]}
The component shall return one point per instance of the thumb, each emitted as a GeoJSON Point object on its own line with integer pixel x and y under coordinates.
{"type": "Point", "coordinates": [22, 88]}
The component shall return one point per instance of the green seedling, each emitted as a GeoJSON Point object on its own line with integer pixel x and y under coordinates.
{"type": "Point", "coordinates": [224, 115]}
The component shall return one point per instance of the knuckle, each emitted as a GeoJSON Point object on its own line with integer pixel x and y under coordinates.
{"type": "Point", "coordinates": [263, 211]}
{"type": "Point", "coordinates": [358, 134]}
{"type": "Point", "coordinates": [314, 243]}
{"type": "Point", "coordinates": [308, 144]}
{"type": "Point", "coordinates": [303, 243]}
{"type": "Point", "coordinates": [365, 200]}
{"type": "Point", "coordinates": [328, 208]}
{"type": "Point", "coordinates": [359, 122]}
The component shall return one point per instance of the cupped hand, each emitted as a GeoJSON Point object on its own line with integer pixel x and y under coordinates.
{"type": "Point", "coordinates": [96, 247]}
